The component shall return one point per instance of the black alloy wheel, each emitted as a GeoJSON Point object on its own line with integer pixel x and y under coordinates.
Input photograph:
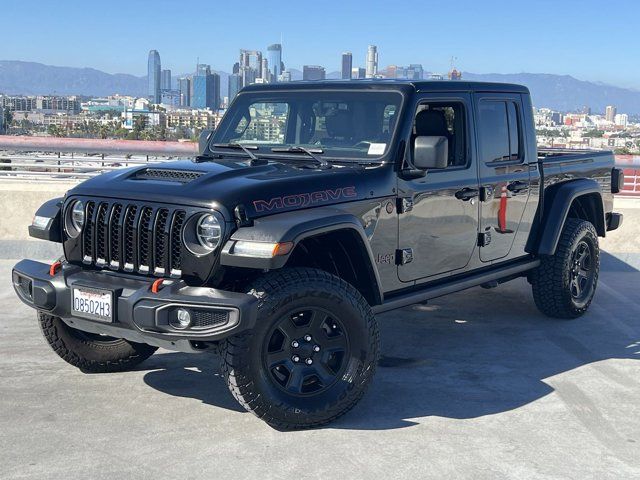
{"type": "Point", "coordinates": [306, 350]}
{"type": "Point", "coordinates": [582, 271]}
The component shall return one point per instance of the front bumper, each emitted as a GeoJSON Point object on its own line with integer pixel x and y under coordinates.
{"type": "Point", "coordinates": [139, 314]}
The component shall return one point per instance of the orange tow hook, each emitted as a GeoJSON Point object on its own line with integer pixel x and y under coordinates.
{"type": "Point", "coordinates": [156, 285]}
{"type": "Point", "coordinates": [55, 266]}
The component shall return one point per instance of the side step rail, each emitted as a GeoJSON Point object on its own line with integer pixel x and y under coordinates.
{"type": "Point", "coordinates": [456, 285]}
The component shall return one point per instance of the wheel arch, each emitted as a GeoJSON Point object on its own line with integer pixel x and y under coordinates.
{"type": "Point", "coordinates": [324, 238]}
{"type": "Point", "coordinates": [580, 198]}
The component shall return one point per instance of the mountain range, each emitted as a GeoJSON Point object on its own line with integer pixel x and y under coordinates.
{"type": "Point", "coordinates": [559, 92]}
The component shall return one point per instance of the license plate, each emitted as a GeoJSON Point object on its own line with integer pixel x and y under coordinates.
{"type": "Point", "coordinates": [93, 303]}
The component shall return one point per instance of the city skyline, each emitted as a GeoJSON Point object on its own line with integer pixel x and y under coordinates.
{"type": "Point", "coordinates": [465, 31]}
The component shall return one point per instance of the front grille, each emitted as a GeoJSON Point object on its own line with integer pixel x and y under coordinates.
{"type": "Point", "coordinates": [180, 176]}
{"type": "Point", "coordinates": [201, 319]}
{"type": "Point", "coordinates": [133, 238]}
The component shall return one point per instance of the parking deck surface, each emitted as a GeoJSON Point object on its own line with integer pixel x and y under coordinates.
{"type": "Point", "coordinates": [474, 385]}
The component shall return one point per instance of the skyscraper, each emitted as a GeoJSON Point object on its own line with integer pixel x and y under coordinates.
{"type": "Point", "coordinates": [313, 72]}
{"type": "Point", "coordinates": [206, 88]}
{"type": "Point", "coordinates": [274, 54]}
{"type": "Point", "coordinates": [153, 76]}
{"type": "Point", "coordinates": [372, 61]}
{"type": "Point", "coordinates": [285, 76]}
{"type": "Point", "coordinates": [165, 80]}
{"type": "Point", "coordinates": [235, 85]}
{"type": "Point", "coordinates": [184, 85]}
{"type": "Point", "coordinates": [250, 66]}
{"type": "Point", "coordinates": [347, 64]}
{"type": "Point", "coordinates": [610, 114]}
{"type": "Point", "coordinates": [266, 74]}
{"type": "Point", "coordinates": [358, 72]}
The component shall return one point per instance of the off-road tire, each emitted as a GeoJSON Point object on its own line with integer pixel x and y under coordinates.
{"type": "Point", "coordinates": [89, 352]}
{"type": "Point", "coordinates": [551, 281]}
{"type": "Point", "coordinates": [243, 356]}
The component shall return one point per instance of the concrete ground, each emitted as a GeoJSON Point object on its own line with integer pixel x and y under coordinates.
{"type": "Point", "coordinates": [475, 385]}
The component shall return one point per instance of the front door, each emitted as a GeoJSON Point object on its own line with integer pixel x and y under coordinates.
{"type": "Point", "coordinates": [503, 171]}
{"type": "Point", "coordinates": [438, 213]}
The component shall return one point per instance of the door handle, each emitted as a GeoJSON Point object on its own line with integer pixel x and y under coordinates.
{"type": "Point", "coordinates": [466, 194]}
{"type": "Point", "coordinates": [517, 186]}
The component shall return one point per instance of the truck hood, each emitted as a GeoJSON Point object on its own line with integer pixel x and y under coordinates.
{"type": "Point", "coordinates": [225, 184]}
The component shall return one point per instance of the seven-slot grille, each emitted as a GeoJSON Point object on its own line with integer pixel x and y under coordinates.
{"type": "Point", "coordinates": [133, 238]}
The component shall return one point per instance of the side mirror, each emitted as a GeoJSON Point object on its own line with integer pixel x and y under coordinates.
{"type": "Point", "coordinates": [431, 152]}
{"type": "Point", "coordinates": [203, 141]}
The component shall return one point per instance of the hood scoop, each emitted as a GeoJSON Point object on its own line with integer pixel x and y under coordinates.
{"type": "Point", "coordinates": [167, 175]}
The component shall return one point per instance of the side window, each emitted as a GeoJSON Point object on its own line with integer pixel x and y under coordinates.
{"type": "Point", "coordinates": [444, 120]}
{"type": "Point", "coordinates": [499, 131]}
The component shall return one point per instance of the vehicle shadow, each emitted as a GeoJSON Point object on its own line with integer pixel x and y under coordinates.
{"type": "Point", "coordinates": [471, 354]}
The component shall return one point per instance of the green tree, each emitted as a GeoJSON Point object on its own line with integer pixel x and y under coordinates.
{"type": "Point", "coordinates": [7, 119]}
{"type": "Point", "coordinates": [56, 131]}
{"type": "Point", "coordinates": [594, 133]}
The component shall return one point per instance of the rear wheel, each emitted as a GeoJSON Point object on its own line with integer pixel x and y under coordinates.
{"type": "Point", "coordinates": [564, 284]}
{"type": "Point", "coordinates": [311, 354]}
{"type": "Point", "coordinates": [91, 352]}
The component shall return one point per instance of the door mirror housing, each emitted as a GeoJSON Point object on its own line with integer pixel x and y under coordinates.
{"type": "Point", "coordinates": [203, 140]}
{"type": "Point", "coordinates": [431, 152]}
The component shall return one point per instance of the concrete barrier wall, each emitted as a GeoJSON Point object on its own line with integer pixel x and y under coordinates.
{"type": "Point", "coordinates": [19, 202]}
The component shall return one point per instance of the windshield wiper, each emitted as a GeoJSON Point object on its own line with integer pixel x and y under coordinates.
{"type": "Point", "coordinates": [245, 148]}
{"type": "Point", "coordinates": [322, 163]}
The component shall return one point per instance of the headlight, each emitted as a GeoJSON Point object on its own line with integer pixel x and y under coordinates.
{"type": "Point", "coordinates": [77, 215]}
{"type": "Point", "coordinates": [208, 231]}
{"type": "Point", "coordinates": [75, 219]}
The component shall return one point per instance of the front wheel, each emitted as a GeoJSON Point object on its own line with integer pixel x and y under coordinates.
{"type": "Point", "coordinates": [90, 352]}
{"type": "Point", "coordinates": [311, 354]}
{"type": "Point", "coordinates": [564, 284]}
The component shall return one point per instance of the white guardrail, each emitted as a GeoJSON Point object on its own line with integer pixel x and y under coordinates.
{"type": "Point", "coordinates": [66, 167]}
{"type": "Point", "coordinates": [67, 160]}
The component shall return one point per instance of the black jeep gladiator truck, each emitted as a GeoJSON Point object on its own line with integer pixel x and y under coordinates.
{"type": "Point", "coordinates": [312, 208]}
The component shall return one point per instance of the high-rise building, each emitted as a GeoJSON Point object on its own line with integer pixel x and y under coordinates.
{"type": "Point", "coordinates": [372, 61]}
{"type": "Point", "coordinates": [621, 119]}
{"type": "Point", "coordinates": [170, 97]}
{"type": "Point", "coordinates": [274, 54]}
{"type": "Point", "coordinates": [153, 76]}
{"type": "Point", "coordinates": [285, 76]}
{"type": "Point", "coordinates": [454, 74]}
{"type": "Point", "coordinates": [313, 72]}
{"type": "Point", "coordinates": [347, 65]}
{"type": "Point", "coordinates": [610, 113]}
{"type": "Point", "coordinates": [413, 72]}
{"type": "Point", "coordinates": [235, 84]}
{"type": "Point", "coordinates": [358, 72]}
{"type": "Point", "coordinates": [165, 80]}
{"type": "Point", "coordinates": [250, 66]}
{"type": "Point", "coordinates": [266, 74]}
{"type": "Point", "coordinates": [184, 85]}
{"type": "Point", "coordinates": [205, 88]}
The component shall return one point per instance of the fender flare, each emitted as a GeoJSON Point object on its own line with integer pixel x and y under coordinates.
{"type": "Point", "coordinates": [294, 227]}
{"type": "Point", "coordinates": [52, 232]}
{"type": "Point", "coordinates": [557, 210]}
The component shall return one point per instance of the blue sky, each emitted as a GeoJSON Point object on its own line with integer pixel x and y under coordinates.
{"type": "Point", "coordinates": [591, 40]}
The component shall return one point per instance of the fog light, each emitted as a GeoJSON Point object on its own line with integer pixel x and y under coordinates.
{"type": "Point", "coordinates": [183, 319]}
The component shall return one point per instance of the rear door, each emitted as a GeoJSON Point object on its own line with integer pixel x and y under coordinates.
{"type": "Point", "coordinates": [503, 171]}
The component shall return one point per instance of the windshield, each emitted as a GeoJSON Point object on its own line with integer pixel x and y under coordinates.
{"type": "Point", "coordinates": [354, 125]}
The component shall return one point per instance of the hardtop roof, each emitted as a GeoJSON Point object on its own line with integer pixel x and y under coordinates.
{"type": "Point", "coordinates": [392, 84]}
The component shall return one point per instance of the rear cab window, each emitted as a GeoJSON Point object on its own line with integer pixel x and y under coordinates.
{"type": "Point", "coordinates": [499, 131]}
